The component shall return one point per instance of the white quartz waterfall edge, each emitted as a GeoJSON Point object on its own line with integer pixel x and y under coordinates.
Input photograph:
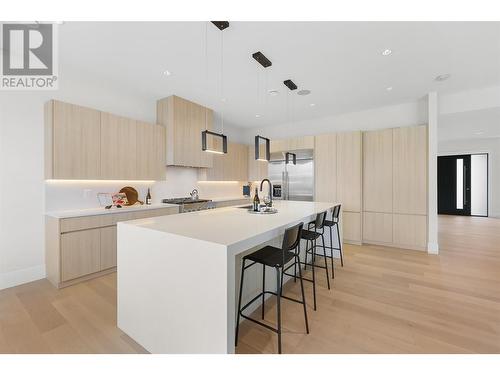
{"type": "Point", "coordinates": [176, 273]}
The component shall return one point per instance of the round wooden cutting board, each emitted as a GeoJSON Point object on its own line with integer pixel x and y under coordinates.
{"type": "Point", "coordinates": [132, 195]}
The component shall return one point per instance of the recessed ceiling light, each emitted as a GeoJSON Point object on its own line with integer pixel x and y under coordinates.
{"type": "Point", "coordinates": [312, 105]}
{"type": "Point", "coordinates": [257, 115]}
{"type": "Point", "coordinates": [389, 88]}
{"type": "Point", "coordinates": [273, 92]}
{"type": "Point", "coordinates": [442, 77]}
{"type": "Point", "coordinates": [303, 92]}
{"type": "Point", "coordinates": [167, 73]}
{"type": "Point", "coordinates": [386, 52]}
{"type": "Point", "coordinates": [479, 133]}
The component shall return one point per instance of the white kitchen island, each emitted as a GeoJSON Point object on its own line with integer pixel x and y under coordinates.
{"type": "Point", "coordinates": [177, 274]}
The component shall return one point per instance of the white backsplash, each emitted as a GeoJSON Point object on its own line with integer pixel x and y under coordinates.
{"type": "Point", "coordinates": [180, 181]}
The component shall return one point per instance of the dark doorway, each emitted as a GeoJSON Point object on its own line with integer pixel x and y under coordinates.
{"type": "Point", "coordinates": [454, 185]}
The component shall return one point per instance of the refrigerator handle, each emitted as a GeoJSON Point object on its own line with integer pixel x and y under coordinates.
{"type": "Point", "coordinates": [283, 186]}
{"type": "Point", "coordinates": [287, 186]}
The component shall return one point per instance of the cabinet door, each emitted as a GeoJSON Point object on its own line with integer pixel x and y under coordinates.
{"type": "Point", "coordinates": [188, 121]}
{"type": "Point", "coordinates": [75, 141]}
{"type": "Point", "coordinates": [377, 171]}
{"type": "Point", "coordinates": [325, 168]}
{"type": "Point", "coordinates": [108, 247]}
{"type": "Point", "coordinates": [377, 227]}
{"type": "Point", "coordinates": [80, 253]}
{"type": "Point", "coordinates": [410, 231]}
{"type": "Point", "coordinates": [257, 169]}
{"type": "Point", "coordinates": [236, 163]}
{"type": "Point", "coordinates": [118, 147]}
{"type": "Point", "coordinates": [151, 153]}
{"type": "Point", "coordinates": [349, 170]}
{"type": "Point", "coordinates": [410, 170]}
{"type": "Point", "coordinates": [351, 226]}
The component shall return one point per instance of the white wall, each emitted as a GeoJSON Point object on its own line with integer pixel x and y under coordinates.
{"type": "Point", "coordinates": [472, 146]}
{"type": "Point", "coordinates": [24, 195]}
{"type": "Point", "coordinates": [407, 114]}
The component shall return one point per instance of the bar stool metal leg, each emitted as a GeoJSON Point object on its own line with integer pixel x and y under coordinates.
{"type": "Point", "coordinates": [263, 288]}
{"type": "Point", "coordinates": [324, 258]}
{"type": "Point", "coordinates": [331, 252]}
{"type": "Point", "coordinates": [278, 304]}
{"type": "Point", "coordinates": [340, 246]}
{"type": "Point", "coordinates": [303, 295]}
{"type": "Point", "coordinates": [239, 303]}
{"type": "Point", "coordinates": [314, 278]}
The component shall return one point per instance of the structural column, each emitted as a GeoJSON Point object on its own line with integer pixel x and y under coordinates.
{"type": "Point", "coordinates": [432, 218]}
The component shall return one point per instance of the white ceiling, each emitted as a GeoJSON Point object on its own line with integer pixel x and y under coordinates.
{"type": "Point", "coordinates": [484, 123]}
{"type": "Point", "coordinates": [340, 62]}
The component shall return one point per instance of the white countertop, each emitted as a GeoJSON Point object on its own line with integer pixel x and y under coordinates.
{"type": "Point", "coordinates": [137, 207]}
{"type": "Point", "coordinates": [102, 211]}
{"type": "Point", "coordinates": [231, 225]}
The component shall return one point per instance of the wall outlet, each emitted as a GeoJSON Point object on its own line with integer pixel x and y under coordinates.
{"type": "Point", "coordinates": [86, 193]}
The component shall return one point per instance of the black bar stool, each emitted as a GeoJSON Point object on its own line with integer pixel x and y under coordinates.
{"type": "Point", "coordinates": [331, 224]}
{"type": "Point", "coordinates": [311, 237]}
{"type": "Point", "coordinates": [334, 223]}
{"type": "Point", "coordinates": [277, 258]}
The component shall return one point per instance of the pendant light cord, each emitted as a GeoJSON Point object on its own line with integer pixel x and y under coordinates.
{"type": "Point", "coordinates": [222, 80]}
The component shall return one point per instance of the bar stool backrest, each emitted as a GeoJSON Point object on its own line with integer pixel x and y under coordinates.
{"type": "Point", "coordinates": [320, 220]}
{"type": "Point", "coordinates": [336, 213]}
{"type": "Point", "coordinates": [291, 238]}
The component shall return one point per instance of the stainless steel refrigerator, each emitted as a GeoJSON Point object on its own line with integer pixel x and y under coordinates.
{"type": "Point", "coordinates": [290, 181]}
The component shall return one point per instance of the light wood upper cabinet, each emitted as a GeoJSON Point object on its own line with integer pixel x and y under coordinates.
{"type": "Point", "coordinates": [257, 169]}
{"type": "Point", "coordinates": [185, 121]}
{"type": "Point", "coordinates": [377, 171]}
{"type": "Point", "coordinates": [118, 147]}
{"type": "Point", "coordinates": [290, 144]}
{"type": "Point", "coordinates": [72, 141]}
{"type": "Point", "coordinates": [86, 144]}
{"type": "Point", "coordinates": [410, 170]}
{"type": "Point", "coordinates": [325, 168]}
{"type": "Point", "coordinates": [349, 170]}
{"type": "Point", "coordinates": [151, 151]}
{"type": "Point", "coordinates": [232, 166]}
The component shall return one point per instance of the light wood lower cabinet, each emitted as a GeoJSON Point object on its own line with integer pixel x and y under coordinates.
{"type": "Point", "coordinates": [80, 248]}
{"type": "Point", "coordinates": [236, 202]}
{"type": "Point", "coordinates": [410, 231]}
{"type": "Point", "coordinates": [80, 253]}
{"type": "Point", "coordinates": [377, 227]}
{"type": "Point", "coordinates": [108, 247]}
{"type": "Point", "coordinates": [351, 227]}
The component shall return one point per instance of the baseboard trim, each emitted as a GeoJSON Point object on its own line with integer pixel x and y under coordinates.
{"type": "Point", "coordinates": [433, 248]}
{"type": "Point", "coordinates": [22, 276]}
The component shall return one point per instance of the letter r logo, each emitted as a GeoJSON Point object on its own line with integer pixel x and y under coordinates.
{"type": "Point", "coordinates": [28, 49]}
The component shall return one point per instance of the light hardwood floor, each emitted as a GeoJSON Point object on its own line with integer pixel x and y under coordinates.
{"type": "Point", "coordinates": [383, 300]}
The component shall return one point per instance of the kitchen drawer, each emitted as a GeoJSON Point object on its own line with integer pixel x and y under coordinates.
{"type": "Point", "coordinates": [235, 202]}
{"type": "Point", "coordinates": [84, 222]}
{"type": "Point", "coordinates": [88, 222]}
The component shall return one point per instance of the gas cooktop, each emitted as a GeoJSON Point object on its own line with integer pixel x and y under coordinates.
{"type": "Point", "coordinates": [184, 200]}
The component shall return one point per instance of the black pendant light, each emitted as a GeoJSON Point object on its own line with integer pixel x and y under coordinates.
{"type": "Point", "coordinates": [267, 155]}
{"type": "Point", "coordinates": [221, 25]}
{"type": "Point", "coordinates": [265, 63]}
{"type": "Point", "coordinates": [292, 156]}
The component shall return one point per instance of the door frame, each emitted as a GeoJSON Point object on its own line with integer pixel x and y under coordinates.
{"type": "Point", "coordinates": [488, 179]}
